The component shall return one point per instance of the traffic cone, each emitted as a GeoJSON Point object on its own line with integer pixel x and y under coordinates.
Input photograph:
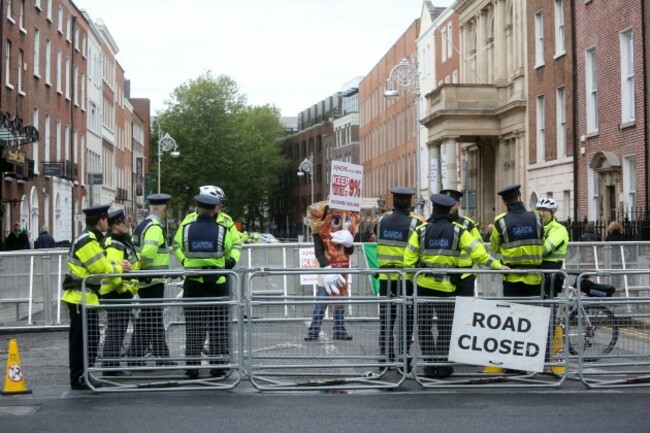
{"type": "Point", "coordinates": [558, 350]}
{"type": "Point", "coordinates": [15, 379]}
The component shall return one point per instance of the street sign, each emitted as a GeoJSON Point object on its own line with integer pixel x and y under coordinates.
{"type": "Point", "coordinates": [52, 168]}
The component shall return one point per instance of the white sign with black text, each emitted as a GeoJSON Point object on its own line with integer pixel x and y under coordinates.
{"type": "Point", "coordinates": [499, 334]}
{"type": "Point", "coordinates": [345, 186]}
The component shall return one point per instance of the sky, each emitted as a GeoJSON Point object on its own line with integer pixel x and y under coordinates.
{"type": "Point", "coordinates": [288, 53]}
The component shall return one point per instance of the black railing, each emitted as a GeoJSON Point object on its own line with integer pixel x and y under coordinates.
{"type": "Point", "coordinates": [636, 226]}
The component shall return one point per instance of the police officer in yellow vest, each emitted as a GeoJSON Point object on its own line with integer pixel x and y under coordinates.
{"type": "Point", "coordinates": [392, 232]}
{"type": "Point", "coordinates": [204, 245]}
{"type": "Point", "coordinates": [518, 235]}
{"type": "Point", "coordinates": [556, 242]}
{"type": "Point", "coordinates": [117, 248]}
{"type": "Point", "coordinates": [437, 245]}
{"type": "Point", "coordinates": [221, 218]}
{"type": "Point", "coordinates": [152, 248]}
{"type": "Point", "coordinates": [85, 258]}
{"type": "Point", "coordinates": [465, 285]}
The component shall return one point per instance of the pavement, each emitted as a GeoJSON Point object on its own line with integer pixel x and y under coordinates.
{"type": "Point", "coordinates": [53, 407]}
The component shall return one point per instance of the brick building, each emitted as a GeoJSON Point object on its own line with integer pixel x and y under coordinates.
{"type": "Point", "coordinates": [67, 130]}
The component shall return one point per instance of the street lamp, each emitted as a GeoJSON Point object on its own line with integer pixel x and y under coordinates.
{"type": "Point", "coordinates": [307, 166]}
{"type": "Point", "coordinates": [166, 144]}
{"type": "Point", "coordinates": [405, 74]}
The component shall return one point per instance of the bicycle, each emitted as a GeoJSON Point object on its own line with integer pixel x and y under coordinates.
{"type": "Point", "coordinates": [599, 331]}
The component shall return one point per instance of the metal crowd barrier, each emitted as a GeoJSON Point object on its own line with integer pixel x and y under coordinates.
{"type": "Point", "coordinates": [613, 337]}
{"type": "Point", "coordinates": [147, 370]}
{"type": "Point", "coordinates": [30, 280]}
{"type": "Point", "coordinates": [280, 358]}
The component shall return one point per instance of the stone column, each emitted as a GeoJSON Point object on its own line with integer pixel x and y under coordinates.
{"type": "Point", "coordinates": [500, 67]}
{"type": "Point", "coordinates": [451, 156]}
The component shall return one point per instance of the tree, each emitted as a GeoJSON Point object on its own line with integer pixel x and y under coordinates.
{"type": "Point", "coordinates": [222, 142]}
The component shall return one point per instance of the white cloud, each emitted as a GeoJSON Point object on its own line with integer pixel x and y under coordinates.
{"type": "Point", "coordinates": [289, 53]}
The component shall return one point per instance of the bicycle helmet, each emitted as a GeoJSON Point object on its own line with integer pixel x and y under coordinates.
{"type": "Point", "coordinates": [547, 203]}
{"type": "Point", "coordinates": [212, 190]}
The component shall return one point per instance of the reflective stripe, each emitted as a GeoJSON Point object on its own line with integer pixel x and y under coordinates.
{"type": "Point", "coordinates": [389, 258]}
{"type": "Point", "coordinates": [94, 259]}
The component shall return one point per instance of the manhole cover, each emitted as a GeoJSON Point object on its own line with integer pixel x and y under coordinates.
{"type": "Point", "coordinates": [18, 410]}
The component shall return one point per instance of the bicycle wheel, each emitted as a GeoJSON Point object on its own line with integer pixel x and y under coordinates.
{"type": "Point", "coordinates": [598, 335]}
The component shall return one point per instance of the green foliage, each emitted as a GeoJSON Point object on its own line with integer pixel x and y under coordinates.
{"type": "Point", "coordinates": [222, 141]}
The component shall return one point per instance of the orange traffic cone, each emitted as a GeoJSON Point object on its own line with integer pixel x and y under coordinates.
{"type": "Point", "coordinates": [558, 350]}
{"type": "Point", "coordinates": [15, 379]}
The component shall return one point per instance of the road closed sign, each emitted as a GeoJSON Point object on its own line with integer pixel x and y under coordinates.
{"type": "Point", "coordinates": [499, 334]}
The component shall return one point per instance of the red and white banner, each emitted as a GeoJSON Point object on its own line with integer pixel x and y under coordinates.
{"type": "Point", "coordinates": [308, 261]}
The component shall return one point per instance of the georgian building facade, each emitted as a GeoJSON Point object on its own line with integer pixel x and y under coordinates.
{"type": "Point", "coordinates": [66, 129]}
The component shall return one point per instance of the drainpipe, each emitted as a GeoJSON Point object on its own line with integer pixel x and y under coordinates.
{"type": "Point", "coordinates": [574, 110]}
{"type": "Point", "coordinates": [72, 96]}
{"type": "Point", "coordinates": [645, 104]}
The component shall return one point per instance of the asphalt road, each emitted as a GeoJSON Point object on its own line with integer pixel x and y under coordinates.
{"type": "Point", "coordinates": [53, 407]}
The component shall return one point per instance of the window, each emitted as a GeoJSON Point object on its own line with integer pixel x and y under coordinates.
{"type": "Point", "coordinates": [35, 143]}
{"type": "Point", "coordinates": [560, 127]}
{"type": "Point", "coordinates": [46, 155]}
{"type": "Point", "coordinates": [540, 129]}
{"type": "Point", "coordinates": [75, 89]}
{"type": "Point", "coordinates": [58, 140]}
{"type": "Point", "coordinates": [49, 10]}
{"type": "Point", "coordinates": [443, 45]}
{"type": "Point", "coordinates": [629, 183]}
{"type": "Point", "coordinates": [539, 39]}
{"type": "Point", "coordinates": [67, 78]}
{"type": "Point", "coordinates": [59, 79]}
{"type": "Point", "coordinates": [627, 77]}
{"type": "Point", "coordinates": [9, 17]}
{"type": "Point", "coordinates": [8, 65]}
{"type": "Point", "coordinates": [21, 16]}
{"type": "Point", "coordinates": [591, 81]}
{"type": "Point", "coordinates": [66, 139]}
{"type": "Point", "coordinates": [59, 25]}
{"type": "Point", "coordinates": [450, 39]}
{"type": "Point", "coordinates": [68, 29]}
{"type": "Point", "coordinates": [560, 47]}
{"type": "Point", "coordinates": [76, 39]}
{"type": "Point", "coordinates": [83, 91]}
{"type": "Point", "coordinates": [37, 4]}
{"type": "Point", "coordinates": [21, 56]}
{"type": "Point", "coordinates": [48, 62]}
{"type": "Point", "coordinates": [37, 52]}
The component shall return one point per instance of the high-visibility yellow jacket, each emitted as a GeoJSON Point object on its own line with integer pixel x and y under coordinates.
{"type": "Point", "coordinates": [227, 221]}
{"type": "Point", "coordinates": [437, 245]}
{"type": "Point", "coordinates": [203, 244]}
{"type": "Point", "coordinates": [518, 235]}
{"type": "Point", "coordinates": [556, 241]}
{"type": "Point", "coordinates": [85, 258]}
{"type": "Point", "coordinates": [465, 261]}
{"type": "Point", "coordinates": [151, 246]}
{"type": "Point", "coordinates": [392, 232]}
{"type": "Point", "coordinates": [117, 248]}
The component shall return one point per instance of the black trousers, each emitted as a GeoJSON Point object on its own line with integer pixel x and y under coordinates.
{"type": "Point", "coordinates": [76, 342]}
{"type": "Point", "coordinates": [117, 322]}
{"type": "Point", "coordinates": [520, 289]}
{"type": "Point", "coordinates": [552, 282]}
{"type": "Point", "coordinates": [206, 320]}
{"type": "Point", "coordinates": [150, 327]}
{"type": "Point", "coordinates": [387, 317]}
{"type": "Point", "coordinates": [434, 348]}
{"type": "Point", "coordinates": [465, 287]}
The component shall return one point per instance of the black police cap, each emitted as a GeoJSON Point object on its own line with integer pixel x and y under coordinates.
{"type": "Point", "coordinates": [116, 217]}
{"type": "Point", "coordinates": [510, 191]}
{"type": "Point", "coordinates": [400, 190]}
{"type": "Point", "coordinates": [455, 194]}
{"type": "Point", "coordinates": [97, 211]}
{"type": "Point", "coordinates": [443, 201]}
{"type": "Point", "coordinates": [207, 201]}
{"type": "Point", "coordinates": [159, 198]}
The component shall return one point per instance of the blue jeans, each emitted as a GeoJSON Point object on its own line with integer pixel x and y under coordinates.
{"type": "Point", "coordinates": [319, 313]}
